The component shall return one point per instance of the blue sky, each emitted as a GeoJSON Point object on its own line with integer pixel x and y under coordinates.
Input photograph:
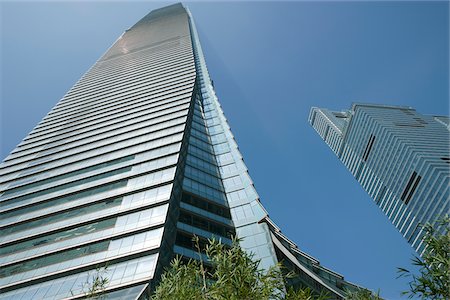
{"type": "Point", "coordinates": [270, 63]}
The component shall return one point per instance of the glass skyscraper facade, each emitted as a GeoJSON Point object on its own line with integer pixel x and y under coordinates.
{"type": "Point", "coordinates": [399, 156]}
{"type": "Point", "coordinates": [133, 161]}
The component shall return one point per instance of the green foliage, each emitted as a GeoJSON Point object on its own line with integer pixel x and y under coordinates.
{"type": "Point", "coordinates": [96, 283]}
{"type": "Point", "coordinates": [433, 282]}
{"type": "Point", "coordinates": [305, 294]}
{"type": "Point", "coordinates": [181, 281]}
{"type": "Point", "coordinates": [362, 294]}
{"type": "Point", "coordinates": [231, 274]}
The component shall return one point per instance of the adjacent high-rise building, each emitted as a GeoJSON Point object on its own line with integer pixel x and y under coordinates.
{"type": "Point", "coordinates": [399, 156]}
{"type": "Point", "coordinates": [132, 162]}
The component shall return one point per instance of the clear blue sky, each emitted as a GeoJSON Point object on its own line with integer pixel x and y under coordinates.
{"type": "Point", "coordinates": [270, 63]}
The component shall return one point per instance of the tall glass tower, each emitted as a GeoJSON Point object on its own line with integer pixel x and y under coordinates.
{"type": "Point", "coordinates": [399, 156]}
{"type": "Point", "coordinates": [132, 162]}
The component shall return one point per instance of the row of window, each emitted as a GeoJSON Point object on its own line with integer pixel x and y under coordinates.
{"type": "Point", "coordinates": [202, 165]}
{"type": "Point", "coordinates": [410, 187]}
{"type": "Point", "coordinates": [186, 240]}
{"type": "Point", "coordinates": [77, 230]}
{"type": "Point", "coordinates": [157, 139]}
{"type": "Point", "coordinates": [123, 113]}
{"type": "Point", "coordinates": [76, 257]}
{"type": "Point", "coordinates": [58, 236]}
{"type": "Point", "coordinates": [70, 184]}
{"type": "Point", "coordinates": [68, 286]}
{"type": "Point", "coordinates": [143, 152]}
{"type": "Point", "coordinates": [64, 215]}
{"type": "Point", "coordinates": [205, 224]}
{"type": "Point", "coordinates": [114, 130]}
{"type": "Point", "coordinates": [116, 69]}
{"type": "Point", "coordinates": [138, 113]}
{"type": "Point", "coordinates": [68, 175]}
{"type": "Point", "coordinates": [136, 76]}
{"type": "Point", "coordinates": [207, 205]}
{"type": "Point", "coordinates": [203, 190]}
{"type": "Point", "coordinates": [119, 94]}
{"type": "Point", "coordinates": [102, 117]}
{"type": "Point", "coordinates": [62, 200]}
{"type": "Point", "coordinates": [51, 259]}
{"type": "Point", "coordinates": [203, 177]}
{"type": "Point", "coordinates": [113, 137]}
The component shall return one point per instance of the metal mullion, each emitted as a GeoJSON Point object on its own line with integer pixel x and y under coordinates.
{"type": "Point", "coordinates": [88, 105]}
{"type": "Point", "coordinates": [101, 161]}
{"type": "Point", "coordinates": [122, 72]}
{"type": "Point", "coordinates": [163, 90]}
{"type": "Point", "coordinates": [103, 67]}
{"type": "Point", "coordinates": [157, 111]}
{"type": "Point", "coordinates": [82, 152]}
{"type": "Point", "coordinates": [161, 63]}
{"type": "Point", "coordinates": [97, 240]}
{"type": "Point", "coordinates": [74, 106]}
{"type": "Point", "coordinates": [215, 221]}
{"type": "Point", "coordinates": [180, 74]}
{"type": "Point", "coordinates": [75, 224]}
{"type": "Point", "coordinates": [74, 270]}
{"type": "Point", "coordinates": [97, 73]}
{"type": "Point", "coordinates": [123, 112]}
{"type": "Point", "coordinates": [123, 95]}
{"type": "Point", "coordinates": [124, 176]}
{"type": "Point", "coordinates": [176, 88]}
{"type": "Point", "coordinates": [124, 77]}
{"type": "Point", "coordinates": [203, 171]}
{"type": "Point", "coordinates": [95, 172]}
{"type": "Point", "coordinates": [205, 184]}
{"type": "Point", "coordinates": [170, 125]}
{"type": "Point", "coordinates": [60, 141]}
{"type": "Point", "coordinates": [113, 135]}
{"type": "Point", "coordinates": [138, 107]}
{"type": "Point", "coordinates": [89, 134]}
{"type": "Point", "coordinates": [136, 101]}
{"type": "Point", "coordinates": [65, 163]}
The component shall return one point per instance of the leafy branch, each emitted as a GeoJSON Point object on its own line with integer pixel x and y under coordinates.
{"type": "Point", "coordinates": [96, 283]}
{"type": "Point", "coordinates": [433, 281]}
{"type": "Point", "coordinates": [228, 273]}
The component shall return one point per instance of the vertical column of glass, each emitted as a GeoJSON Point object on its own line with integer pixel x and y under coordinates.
{"type": "Point", "coordinates": [246, 210]}
{"type": "Point", "coordinates": [204, 210]}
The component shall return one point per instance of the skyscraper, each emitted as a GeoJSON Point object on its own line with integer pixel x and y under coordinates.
{"type": "Point", "coordinates": [132, 162]}
{"type": "Point", "coordinates": [399, 156]}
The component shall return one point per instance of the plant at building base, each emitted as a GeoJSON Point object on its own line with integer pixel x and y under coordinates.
{"type": "Point", "coordinates": [229, 274]}
{"type": "Point", "coordinates": [305, 294]}
{"type": "Point", "coordinates": [362, 294]}
{"type": "Point", "coordinates": [433, 281]}
{"type": "Point", "coordinates": [95, 285]}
